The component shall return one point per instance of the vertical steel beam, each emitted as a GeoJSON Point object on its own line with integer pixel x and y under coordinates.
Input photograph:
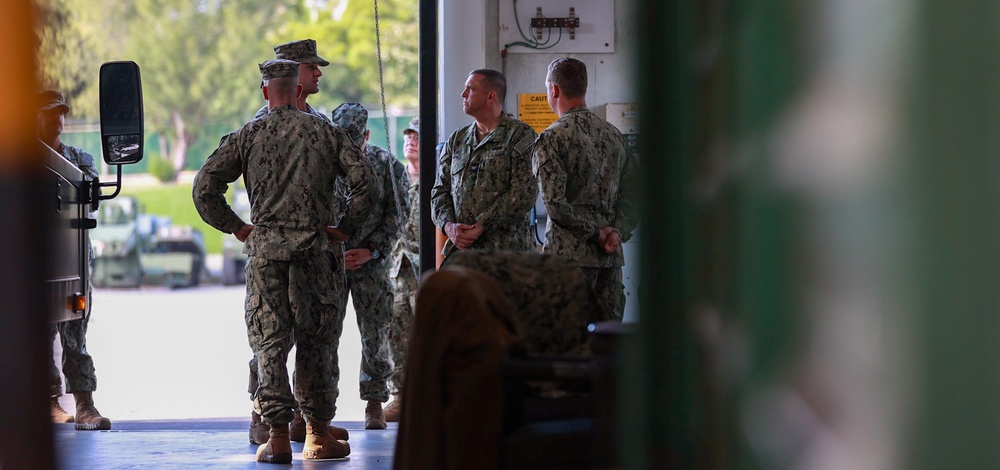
{"type": "Point", "coordinates": [428, 127]}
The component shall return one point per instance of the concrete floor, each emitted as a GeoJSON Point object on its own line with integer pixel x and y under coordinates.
{"type": "Point", "coordinates": [203, 444]}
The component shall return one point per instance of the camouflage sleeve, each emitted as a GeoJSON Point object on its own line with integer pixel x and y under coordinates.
{"type": "Point", "coordinates": [550, 171]}
{"type": "Point", "coordinates": [361, 192]}
{"type": "Point", "coordinates": [521, 189]}
{"type": "Point", "coordinates": [626, 209]}
{"type": "Point", "coordinates": [210, 184]}
{"type": "Point", "coordinates": [395, 204]}
{"type": "Point", "coordinates": [88, 166]}
{"type": "Point", "coordinates": [442, 206]}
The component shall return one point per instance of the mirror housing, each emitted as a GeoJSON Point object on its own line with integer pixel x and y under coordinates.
{"type": "Point", "coordinates": [121, 113]}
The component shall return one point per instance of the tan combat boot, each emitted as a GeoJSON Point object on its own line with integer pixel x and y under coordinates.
{"type": "Point", "coordinates": [297, 430]}
{"type": "Point", "coordinates": [59, 415]}
{"type": "Point", "coordinates": [393, 410]}
{"type": "Point", "coordinates": [374, 418]}
{"type": "Point", "coordinates": [87, 416]}
{"type": "Point", "coordinates": [260, 431]}
{"type": "Point", "coordinates": [321, 445]}
{"type": "Point", "coordinates": [278, 448]}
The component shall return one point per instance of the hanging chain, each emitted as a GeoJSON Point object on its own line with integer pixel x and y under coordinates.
{"type": "Point", "coordinates": [403, 218]}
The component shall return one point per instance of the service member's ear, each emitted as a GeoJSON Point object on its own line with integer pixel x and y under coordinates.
{"type": "Point", "coordinates": [263, 89]}
{"type": "Point", "coordinates": [298, 91]}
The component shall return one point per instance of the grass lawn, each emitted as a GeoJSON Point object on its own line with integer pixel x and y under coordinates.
{"type": "Point", "coordinates": [174, 201]}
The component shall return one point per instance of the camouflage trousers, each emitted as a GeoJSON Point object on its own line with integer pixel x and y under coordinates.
{"type": "Point", "coordinates": [372, 294]}
{"type": "Point", "coordinates": [77, 365]}
{"type": "Point", "coordinates": [403, 305]}
{"type": "Point", "coordinates": [294, 303]}
{"type": "Point", "coordinates": [607, 284]}
{"type": "Point", "coordinates": [341, 278]}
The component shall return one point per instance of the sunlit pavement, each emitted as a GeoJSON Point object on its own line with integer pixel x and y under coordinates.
{"type": "Point", "coordinates": [182, 353]}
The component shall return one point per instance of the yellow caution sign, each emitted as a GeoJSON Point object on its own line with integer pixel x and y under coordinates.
{"type": "Point", "coordinates": [534, 110]}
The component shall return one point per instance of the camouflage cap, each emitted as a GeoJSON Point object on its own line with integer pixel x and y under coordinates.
{"type": "Point", "coordinates": [354, 119]}
{"type": "Point", "coordinates": [414, 126]}
{"type": "Point", "coordinates": [51, 99]}
{"type": "Point", "coordinates": [279, 68]}
{"type": "Point", "coordinates": [303, 51]}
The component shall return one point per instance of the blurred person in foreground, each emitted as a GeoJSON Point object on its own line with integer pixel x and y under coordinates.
{"type": "Point", "coordinates": [290, 162]}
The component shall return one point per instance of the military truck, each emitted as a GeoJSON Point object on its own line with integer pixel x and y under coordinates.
{"type": "Point", "coordinates": [176, 257]}
{"type": "Point", "coordinates": [133, 248]}
{"type": "Point", "coordinates": [74, 198]}
{"type": "Point", "coordinates": [118, 240]}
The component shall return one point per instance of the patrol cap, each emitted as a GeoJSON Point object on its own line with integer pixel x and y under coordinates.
{"type": "Point", "coordinates": [302, 51]}
{"type": "Point", "coordinates": [414, 126]}
{"type": "Point", "coordinates": [51, 99]}
{"type": "Point", "coordinates": [354, 119]}
{"type": "Point", "coordinates": [279, 68]}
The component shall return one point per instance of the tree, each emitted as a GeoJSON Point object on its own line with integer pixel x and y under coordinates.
{"type": "Point", "coordinates": [201, 58]}
{"type": "Point", "coordinates": [346, 37]}
{"type": "Point", "coordinates": [74, 38]}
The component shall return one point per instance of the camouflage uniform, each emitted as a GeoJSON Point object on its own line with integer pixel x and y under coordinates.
{"type": "Point", "coordinates": [369, 285]}
{"type": "Point", "coordinates": [404, 272]}
{"type": "Point", "coordinates": [489, 183]}
{"type": "Point", "coordinates": [586, 173]}
{"type": "Point", "coordinates": [309, 109]}
{"type": "Point", "coordinates": [338, 260]}
{"type": "Point", "coordinates": [77, 365]}
{"type": "Point", "coordinates": [291, 288]}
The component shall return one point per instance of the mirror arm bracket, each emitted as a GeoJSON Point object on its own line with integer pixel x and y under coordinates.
{"type": "Point", "coordinates": [117, 185]}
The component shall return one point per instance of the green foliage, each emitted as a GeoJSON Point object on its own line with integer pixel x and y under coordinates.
{"type": "Point", "coordinates": [161, 169]}
{"type": "Point", "coordinates": [347, 40]}
{"type": "Point", "coordinates": [174, 201]}
{"type": "Point", "coordinates": [198, 58]}
{"type": "Point", "coordinates": [74, 38]}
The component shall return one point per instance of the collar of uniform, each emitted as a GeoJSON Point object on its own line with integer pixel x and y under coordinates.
{"type": "Point", "coordinates": [283, 107]}
{"type": "Point", "coordinates": [577, 109]}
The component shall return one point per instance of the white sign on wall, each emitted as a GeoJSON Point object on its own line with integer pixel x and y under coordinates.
{"type": "Point", "coordinates": [596, 31]}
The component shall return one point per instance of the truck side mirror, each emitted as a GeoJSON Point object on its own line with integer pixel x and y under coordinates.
{"type": "Point", "coordinates": [121, 113]}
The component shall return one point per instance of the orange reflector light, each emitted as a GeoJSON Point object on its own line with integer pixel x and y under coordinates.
{"type": "Point", "coordinates": [78, 303]}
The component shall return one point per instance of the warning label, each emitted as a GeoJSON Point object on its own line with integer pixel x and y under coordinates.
{"type": "Point", "coordinates": [534, 110]}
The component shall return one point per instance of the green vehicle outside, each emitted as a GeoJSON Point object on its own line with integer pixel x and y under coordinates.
{"type": "Point", "coordinates": [133, 249]}
{"type": "Point", "coordinates": [117, 244]}
{"type": "Point", "coordinates": [176, 258]}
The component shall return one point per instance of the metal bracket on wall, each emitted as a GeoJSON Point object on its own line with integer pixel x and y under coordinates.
{"type": "Point", "coordinates": [571, 22]}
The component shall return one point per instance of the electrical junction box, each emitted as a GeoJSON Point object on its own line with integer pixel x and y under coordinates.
{"type": "Point", "coordinates": [562, 26]}
{"type": "Point", "coordinates": [624, 116]}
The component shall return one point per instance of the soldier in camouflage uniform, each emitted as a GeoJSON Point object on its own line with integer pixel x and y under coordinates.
{"type": "Point", "coordinates": [484, 187]}
{"type": "Point", "coordinates": [367, 264]}
{"type": "Point", "coordinates": [404, 271]}
{"type": "Point", "coordinates": [586, 173]}
{"type": "Point", "coordinates": [290, 162]}
{"type": "Point", "coordinates": [304, 52]}
{"type": "Point", "coordinates": [77, 365]}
